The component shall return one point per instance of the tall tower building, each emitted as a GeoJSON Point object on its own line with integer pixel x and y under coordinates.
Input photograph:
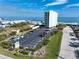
{"type": "Point", "coordinates": [51, 19]}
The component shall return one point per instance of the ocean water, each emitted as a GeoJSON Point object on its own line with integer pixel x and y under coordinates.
{"type": "Point", "coordinates": [60, 19]}
{"type": "Point", "coordinates": [23, 18]}
{"type": "Point", "coordinates": [69, 19]}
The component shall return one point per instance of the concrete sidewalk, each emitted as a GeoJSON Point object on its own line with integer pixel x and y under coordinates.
{"type": "Point", "coordinates": [66, 51]}
{"type": "Point", "coordinates": [4, 57]}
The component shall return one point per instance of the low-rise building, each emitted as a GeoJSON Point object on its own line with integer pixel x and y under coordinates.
{"type": "Point", "coordinates": [15, 42]}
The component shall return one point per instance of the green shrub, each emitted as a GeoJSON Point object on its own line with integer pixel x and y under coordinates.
{"type": "Point", "coordinates": [45, 41]}
{"type": "Point", "coordinates": [12, 33]}
{"type": "Point", "coordinates": [11, 49]}
{"type": "Point", "coordinates": [16, 53]}
{"type": "Point", "coordinates": [3, 37]}
{"type": "Point", "coordinates": [24, 52]}
{"type": "Point", "coordinates": [60, 26]}
{"type": "Point", "coordinates": [5, 44]}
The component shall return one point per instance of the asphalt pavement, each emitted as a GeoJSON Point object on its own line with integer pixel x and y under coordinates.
{"type": "Point", "coordinates": [33, 38]}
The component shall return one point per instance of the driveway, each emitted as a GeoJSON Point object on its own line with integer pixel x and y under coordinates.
{"type": "Point", "coordinates": [67, 51]}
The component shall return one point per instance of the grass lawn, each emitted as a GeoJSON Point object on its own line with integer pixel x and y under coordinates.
{"type": "Point", "coordinates": [53, 47]}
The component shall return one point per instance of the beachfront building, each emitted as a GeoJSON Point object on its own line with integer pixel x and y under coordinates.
{"type": "Point", "coordinates": [51, 19]}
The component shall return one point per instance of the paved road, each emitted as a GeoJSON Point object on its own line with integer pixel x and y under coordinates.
{"type": "Point", "coordinates": [4, 57]}
{"type": "Point", "coordinates": [66, 51]}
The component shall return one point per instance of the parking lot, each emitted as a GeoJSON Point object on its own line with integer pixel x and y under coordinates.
{"type": "Point", "coordinates": [33, 38]}
{"type": "Point", "coordinates": [69, 44]}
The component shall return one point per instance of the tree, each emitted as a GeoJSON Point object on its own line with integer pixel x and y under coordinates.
{"type": "Point", "coordinates": [45, 41]}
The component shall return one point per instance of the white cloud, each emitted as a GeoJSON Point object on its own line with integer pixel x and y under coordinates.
{"type": "Point", "coordinates": [43, 0]}
{"type": "Point", "coordinates": [72, 5]}
{"type": "Point", "coordinates": [15, 11]}
{"type": "Point", "coordinates": [58, 2]}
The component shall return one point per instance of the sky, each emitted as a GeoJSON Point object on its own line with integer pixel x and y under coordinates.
{"type": "Point", "coordinates": [36, 8]}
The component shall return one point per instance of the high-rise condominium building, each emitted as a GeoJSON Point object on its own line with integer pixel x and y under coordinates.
{"type": "Point", "coordinates": [51, 19]}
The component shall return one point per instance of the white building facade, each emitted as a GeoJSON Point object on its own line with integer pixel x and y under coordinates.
{"type": "Point", "coordinates": [51, 19]}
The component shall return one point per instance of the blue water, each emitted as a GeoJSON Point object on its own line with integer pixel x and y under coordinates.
{"type": "Point", "coordinates": [69, 19]}
{"type": "Point", "coordinates": [23, 18]}
{"type": "Point", "coordinates": [60, 19]}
